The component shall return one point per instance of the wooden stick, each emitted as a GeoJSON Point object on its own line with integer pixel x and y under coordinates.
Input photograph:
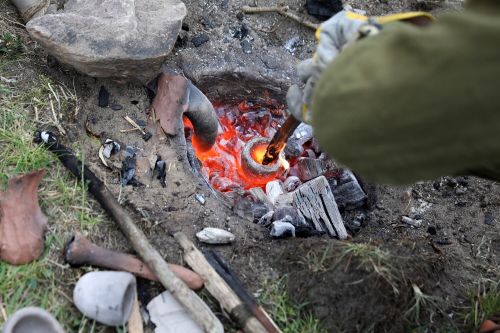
{"type": "Point", "coordinates": [223, 269]}
{"type": "Point", "coordinates": [218, 288]}
{"type": "Point", "coordinates": [199, 311]}
{"type": "Point", "coordinates": [282, 10]}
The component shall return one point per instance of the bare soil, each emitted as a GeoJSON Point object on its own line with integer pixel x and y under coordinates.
{"type": "Point", "coordinates": [344, 293]}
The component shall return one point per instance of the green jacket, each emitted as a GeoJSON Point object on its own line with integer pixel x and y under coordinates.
{"type": "Point", "coordinates": [415, 103]}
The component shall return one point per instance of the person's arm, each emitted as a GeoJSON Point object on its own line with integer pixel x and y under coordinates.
{"type": "Point", "coordinates": [412, 104]}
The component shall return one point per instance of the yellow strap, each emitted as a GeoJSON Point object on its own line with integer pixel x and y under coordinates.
{"type": "Point", "coordinates": [407, 16]}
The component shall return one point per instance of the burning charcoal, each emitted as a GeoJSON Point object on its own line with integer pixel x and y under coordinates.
{"type": "Point", "coordinates": [323, 9]}
{"type": "Point", "coordinates": [273, 190]}
{"type": "Point", "coordinates": [315, 201]}
{"type": "Point", "coordinates": [258, 120]}
{"type": "Point", "coordinates": [291, 183]}
{"type": "Point", "coordinates": [110, 147]}
{"type": "Point", "coordinates": [293, 149]}
{"type": "Point", "coordinates": [412, 222]}
{"type": "Point", "coordinates": [285, 199]}
{"type": "Point", "coordinates": [269, 132]}
{"type": "Point", "coordinates": [200, 198]}
{"type": "Point", "coordinates": [103, 97]}
{"type": "Point", "coordinates": [200, 40]}
{"type": "Point", "coordinates": [348, 193]}
{"type": "Point", "coordinates": [309, 168]}
{"type": "Point", "coordinates": [266, 219]}
{"type": "Point", "coordinates": [292, 44]}
{"type": "Point", "coordinates": [282, 229]}
{"type": "Point", "coordinates": [116, 107]}
{"type": "Point", "coordinates": [246, 46]}
{"type": "Point", "coordinates": [215, 236]}
{"type": "Point", "coordinates": [289, 214]}
{"type": "Point", "coordinates": [224, 184]}
{"type": "Point", "coordinates": [258, 210]}
{"type": "Point", "coordinates": [310, 153]}
{"type": "Point", "coordinates": [259, 195]}
{"type": "Point", "coordinates": [302, 134]}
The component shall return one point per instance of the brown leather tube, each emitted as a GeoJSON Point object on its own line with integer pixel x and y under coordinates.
{"type": "Point", "coordinates": [80, 251]}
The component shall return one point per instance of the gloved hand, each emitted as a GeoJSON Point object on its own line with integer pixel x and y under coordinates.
{"type": "Point", "coordinates": [333, 35]}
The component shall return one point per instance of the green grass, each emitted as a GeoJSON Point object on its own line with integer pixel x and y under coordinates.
{"type": "Point", "coordinates": [484, 302]}
{"type": "Point", "coordinates": [372, 259]}
{"type": "Point", "coordinates": [46, 282]}
{"type": "Point", "coordinates": [288, 315]}
{"type": "Point", "coordinates": [11, 45]}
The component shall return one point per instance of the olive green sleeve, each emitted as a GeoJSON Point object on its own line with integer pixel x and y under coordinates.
{"type": "Point", "coordinates": [413, 104]}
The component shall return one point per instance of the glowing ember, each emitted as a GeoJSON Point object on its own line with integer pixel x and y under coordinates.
{"type": "Point", "coordinates": [221, 165]}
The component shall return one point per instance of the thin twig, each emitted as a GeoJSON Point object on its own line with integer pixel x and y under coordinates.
{"type": "Point", "coordinates": [282, 10]}
{"type": "Point", "coordinates": [133, 123]}
{"type": "Point", "coordinates": [56, 120]}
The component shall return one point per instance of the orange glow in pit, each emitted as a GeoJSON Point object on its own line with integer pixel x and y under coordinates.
{"type": "Point", "coordinates": [221, 165]}
{"type": "Point", "coordinates": [258, 153]}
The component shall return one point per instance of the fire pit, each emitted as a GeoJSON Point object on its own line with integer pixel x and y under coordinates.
{"type": "Point", "coordinates": [300, 194]}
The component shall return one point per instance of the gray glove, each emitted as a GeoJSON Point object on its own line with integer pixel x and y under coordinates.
{"type": "Point", "coordinates": [333, 35]}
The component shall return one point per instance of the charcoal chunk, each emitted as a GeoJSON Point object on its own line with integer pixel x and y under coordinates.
{"type": "Point", "coordinates": [200, 40]}
{"type": "Point", "coordinates": [323, 9]}
{"type": "Point", "coordinates": [103, 101]}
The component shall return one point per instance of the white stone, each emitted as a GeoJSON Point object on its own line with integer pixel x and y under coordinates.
{"type": "Point", "coordinates": [215, 236]}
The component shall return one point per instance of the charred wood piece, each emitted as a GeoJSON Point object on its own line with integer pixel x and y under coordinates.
{"type": "Point", "coordinates": [315, 201]}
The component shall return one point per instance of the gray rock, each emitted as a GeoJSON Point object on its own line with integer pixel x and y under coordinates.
{"type": "Point", "coordinates": [282, 229]}
{"type": "Point", "coordinates": [215, 236]}
{"type": "Point", "coordinates": [106, 296]}
{"type": "Point", "coordinates": [119, 39]}
{"type": "Point", "coordinates": [32, 320]}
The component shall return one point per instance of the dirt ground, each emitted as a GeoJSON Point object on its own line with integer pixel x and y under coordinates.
{"type": "Point", "coordinates": [370, 288]}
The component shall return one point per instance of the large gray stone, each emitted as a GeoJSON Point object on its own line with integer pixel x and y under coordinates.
{"type": "Point", "coordinates": [120, 39]}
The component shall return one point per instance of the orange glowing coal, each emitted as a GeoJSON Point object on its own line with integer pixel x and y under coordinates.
{"type": "Point", "coordinates": [221, 165]}
{"type": "Point", "coordinates": [258, 153]}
